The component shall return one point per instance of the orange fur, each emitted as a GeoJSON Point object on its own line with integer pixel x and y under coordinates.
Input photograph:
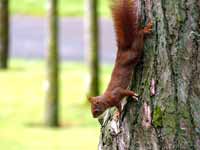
{"type": "Point", "coordinates": [130, 40]}
{"type": "Point", "coordinates": [126, 26]}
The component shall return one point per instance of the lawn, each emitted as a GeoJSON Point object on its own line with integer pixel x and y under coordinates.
{"type": "Point", "coordinates": [22, 104]}
{"type": "Point", "coordinates": [66, 7]}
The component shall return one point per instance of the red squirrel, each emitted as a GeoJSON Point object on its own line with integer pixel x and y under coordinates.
{"type": "Point", "coordinates": [130, 40]}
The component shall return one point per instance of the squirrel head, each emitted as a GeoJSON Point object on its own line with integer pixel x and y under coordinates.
{"type": "Point", "coordinates": [98, 106]}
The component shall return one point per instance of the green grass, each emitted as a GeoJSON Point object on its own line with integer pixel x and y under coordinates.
{"type": "Point", "coordinates": [66, 7]}
{"type": "Point", "coordinates": [22, 103]}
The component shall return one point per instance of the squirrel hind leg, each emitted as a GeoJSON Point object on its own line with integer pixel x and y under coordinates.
{"type": "Point", "coordinates": [148, 28]}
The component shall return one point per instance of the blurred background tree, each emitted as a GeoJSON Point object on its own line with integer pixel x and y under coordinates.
{"type": "Point", "coordinates": [92, 45]}
{"type": "Point", "coordinates": [52, 66]}
{"type": "Point", "coordinates": [4, 33]}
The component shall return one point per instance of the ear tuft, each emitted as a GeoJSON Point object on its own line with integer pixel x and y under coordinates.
{"type": "Point", "coordinates": [90, 99]}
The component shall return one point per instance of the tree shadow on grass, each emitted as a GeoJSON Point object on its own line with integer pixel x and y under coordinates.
{"type": "Point", "coordinates": [43, 125]}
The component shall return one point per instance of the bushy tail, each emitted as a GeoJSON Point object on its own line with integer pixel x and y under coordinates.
{"type": "Point", "coordinates": [125, 17]}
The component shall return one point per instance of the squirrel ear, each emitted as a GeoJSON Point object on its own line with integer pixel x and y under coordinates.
{"type": "Point", "coordinates": [90, 99]}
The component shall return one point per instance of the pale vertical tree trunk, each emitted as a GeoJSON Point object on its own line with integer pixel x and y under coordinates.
{"type": "Point", "coordinates": [92, 45]}
{"type": "Point", "coordinates": [4, 33]}
{"type": "Point", "coordinates": [170, 119]}
{"type": "Point", "coordinates": [52, 93]}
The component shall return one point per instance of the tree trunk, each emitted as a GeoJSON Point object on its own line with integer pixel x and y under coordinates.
{"type": "Point", "coordinates": [4, 33]}
{"type": "Point", "coordinates": [169, 117]}
{"type": "Point", "coordinates": [92, 46]}
{"type": "Point", "coordinates": [52, 99]}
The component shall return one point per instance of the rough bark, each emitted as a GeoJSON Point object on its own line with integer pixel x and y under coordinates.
{"type": "Point", "coordinates": [92, 46]}
{"type": "Point", "coordinates": [4, 33]}
{"type": "Point", "coordinates": [170, 119]}
{"type": "Point", "coordinates": [52, 68]}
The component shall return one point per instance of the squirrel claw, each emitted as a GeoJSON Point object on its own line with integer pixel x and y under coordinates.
{"type": "Point", "coordinates": [135, 98]}
{"type": "Point", "coordinates": [136, 95]}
